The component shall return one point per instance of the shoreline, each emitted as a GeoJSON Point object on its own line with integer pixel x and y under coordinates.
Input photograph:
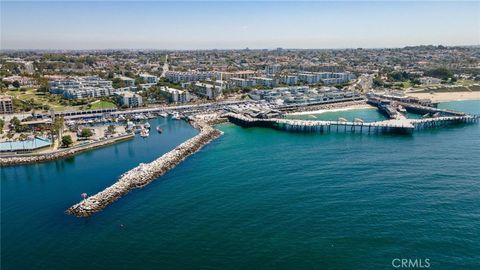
{"type": "Point", "coordinates": [339, 109]}
{"type": "Point", "coordinates": [144, 174]}
{"type": "Point", "coordinates": [24, 159]}
{"type": "Point", "coordinates": [446, 97]}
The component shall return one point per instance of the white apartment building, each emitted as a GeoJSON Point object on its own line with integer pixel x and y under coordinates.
{"type": "Point", "coordinates": [289, 79]}
{"type": "Point", "coordinates": [6, 104]}
{"type": "Point", "coordinates": [430, 80]}
{"type": "Point", "coordinates": [272, 69]}
{"type": "Point", "coordinates": [325, 77]}
{"type": "Point", "coordinates": [176, 95]}
{"type": "Point", "coordinates": [189, 76]}
{"type": "Point", "coordinates": [150, 79]}
{"type": "Point", "coordinates": [263, 81]}
{"type": "Point", "coordinates": [242, 83]}
{"type": "Point", "coordinates": [129, 82]}
{"type": "Point", "coordinates": [129, 99]}
{"type": "Point", "coordinates": [82, 87]}
{"type": "Point", "coordinates": [207, 90]}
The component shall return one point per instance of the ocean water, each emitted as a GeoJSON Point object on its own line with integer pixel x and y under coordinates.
{"type": "Point", "coordinates": [256, 199]}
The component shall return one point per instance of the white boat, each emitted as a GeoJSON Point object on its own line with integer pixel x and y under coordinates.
{"type": "Point", "coordinates": [147, 125]}
{"type": "Point", "coordinates": [176, 116]}
{"type": "Point", "coordinates": [144, 133]}
{"type": "Point", "coordinates": [401, 108]}
{"type": "Point", "coordinates": [163, 114]}
{"type": "Point", "coordinates": [129, 125]}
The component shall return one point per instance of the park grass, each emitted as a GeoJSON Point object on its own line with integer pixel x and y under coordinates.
{"type": "Point", "coordinates": [465, 82]}
{"type": "Point", "coordinates": [31, 94]}
{"type": "Point", "coordinates": [100, 104]}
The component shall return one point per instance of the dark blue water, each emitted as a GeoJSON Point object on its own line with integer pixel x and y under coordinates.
{"type": "Point", "coordinates": [256, 199]}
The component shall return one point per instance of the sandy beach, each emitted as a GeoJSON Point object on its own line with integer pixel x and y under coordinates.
{"type": "Point", "coordinates": [338, 109]}
{"type": "Point", "coordinates": [452, 96]}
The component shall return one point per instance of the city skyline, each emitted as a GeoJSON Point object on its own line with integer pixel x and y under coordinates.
{"type": "Point", "coordinates": [256, 25]}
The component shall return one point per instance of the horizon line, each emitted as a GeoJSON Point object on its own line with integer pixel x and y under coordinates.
{"type": "Point", "coordinates": [233, 49]}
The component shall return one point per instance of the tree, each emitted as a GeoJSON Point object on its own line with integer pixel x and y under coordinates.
{"type": "Point", "coordinates": [2, 123]}
{"type": "Point", "coordinates": [441, 73]}
{"type": "Point", "coordinates": [67, 140]}
{"type": "Point", "coordinates": [111, 129]}
{"type": "Point", "coordinates": [86, 132]}
{"type": "Point", "coordinates": [16, 84]}
{"type": "Point", "coordinates": [58, 125]}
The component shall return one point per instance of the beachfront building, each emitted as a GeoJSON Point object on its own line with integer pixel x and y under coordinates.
{"type": "Point", "coordinates": [6, 105]}
{"type": "Point", "coordinates": [207, 90]}
{"type": "Point", "coordinates": [129, 99]}
{"type": "Point", "coordinates": [429, 80]}
{"type": "Point", "coordinates": [303, 95]}
{"type": "Point", "coordinates": [189, 76]}
{"type": "Point", "coordinates": [149, 79]}
{"type": "Point", "coordinates": [82, 87]}
{"type": "Point", "coordinates": [176, 95]}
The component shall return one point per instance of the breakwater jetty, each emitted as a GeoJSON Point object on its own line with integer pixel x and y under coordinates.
{"type": "Point", "coordinates": [400, 124]}
{"type": "Point", "coordinates": [22, 159]}
{"type": "Point", "coordinates": [145, 173]}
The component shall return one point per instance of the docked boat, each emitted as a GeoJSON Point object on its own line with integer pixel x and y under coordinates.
{"type": "Point", "coordinates": [147, 125]}
{"type": "Point", "coordinates": [163, 114]}
{"type": "Point", "coordinates": [401, 108]}
{"type": "Point", "coordinates": [159, 130]}
{"type": "Point", "coordinates": [129, 125]}
{"type": "Point", "coordinates": [176, 116]}
{"type": "Point", "coordinates": [144, 133]}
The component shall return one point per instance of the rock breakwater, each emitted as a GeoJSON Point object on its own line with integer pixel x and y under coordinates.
{"type": "Point", "coordinates": [145, 173]}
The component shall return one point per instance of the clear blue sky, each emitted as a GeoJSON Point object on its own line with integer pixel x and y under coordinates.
{"type": "Point", "coordinates": [203, 25]}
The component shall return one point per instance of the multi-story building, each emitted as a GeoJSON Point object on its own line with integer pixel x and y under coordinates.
{"type": "Point", "coordinates": [149, 78]}
{"type": "Point", "coordinates": [129, 99]}
{"type": "Point", "coordinates": [263, 81]}
{"type": "Point", "coordinates": [243, 74]}
{"type": "Point", "coordinates": [325, 77]}
{"type": "Point", "coordinates": [129, 82]}
{"type": "Point", "coordinates": [429, 80]}
{"type": "Point", "coordinates": [23, 81]}
{"type": "Point", "coordinates": [242, 83]}
{"type": "Point", "coordinates": [272, 69]}
{"type": "Point", "coordinates": [289, 79]}
{"type": "Point", "coordinates": [82, 87]}
{"type": "Point", "coordinates": [176, 95]}
{"type": "Point", "coordinates": [189, 76]}
{"type": "Point", "coordinates": [6, 104]}
{"type": "Point", "coordinates": [207, 90]}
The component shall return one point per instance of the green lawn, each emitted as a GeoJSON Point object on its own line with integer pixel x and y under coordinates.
{"type": "Point", "coordinates": [53, 101]}
{"type": "Point", "coordinates": [465, 82]}
{"type": "Point", "coordinates": [101, 105]}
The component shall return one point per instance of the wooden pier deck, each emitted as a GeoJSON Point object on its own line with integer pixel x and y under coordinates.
{"type": "Point", "coordinates": [400, 124]}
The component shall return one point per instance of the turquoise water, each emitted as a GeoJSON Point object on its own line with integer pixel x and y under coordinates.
{"type": "Point", "coordinates": [256, 199]}
{"type": "Point", "coordinates": [367, 115]}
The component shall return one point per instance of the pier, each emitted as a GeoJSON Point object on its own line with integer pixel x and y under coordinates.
{"type": "Point", "coordinates": [145, 173]}
{"type": "Point", "coordinates": [399, 125]}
